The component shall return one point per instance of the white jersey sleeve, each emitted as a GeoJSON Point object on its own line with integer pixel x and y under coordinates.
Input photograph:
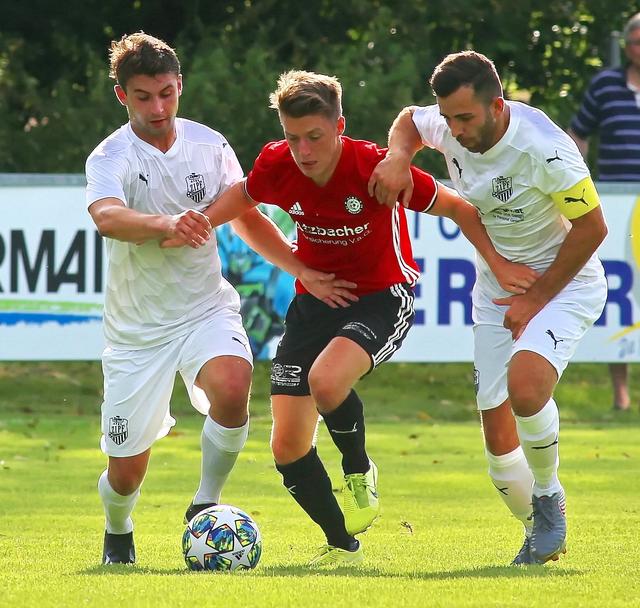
{"type": "Point", "coordinates": [430, 125]}
{"type": "Point", "coordinates": [562, 168]}
{"type": "Point", "coordinates": [230, 170]}
{"type": "Point", "coordinates": [106, 173]}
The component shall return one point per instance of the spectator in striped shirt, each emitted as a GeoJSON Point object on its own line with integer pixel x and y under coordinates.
{"type": "Point", "coordinates": [611, 107]}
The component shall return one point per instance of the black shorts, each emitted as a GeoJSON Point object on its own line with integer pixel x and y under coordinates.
{"type": "Point", "coordinates": [378, 322]}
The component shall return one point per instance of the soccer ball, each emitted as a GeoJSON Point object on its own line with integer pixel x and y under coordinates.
{"type": "Point", "coordinates": [221, 537]}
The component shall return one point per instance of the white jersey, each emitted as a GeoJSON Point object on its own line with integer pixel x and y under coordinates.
{"type": "Point", "coordinates": [154, 295]}
{"type": "Point", "coordinates": [511, 183]}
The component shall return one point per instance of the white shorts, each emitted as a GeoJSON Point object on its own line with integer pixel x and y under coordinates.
{"type": "Point", "coordinates": [554, 333]}
{"type": "Point", "coordinates": [138, 383]}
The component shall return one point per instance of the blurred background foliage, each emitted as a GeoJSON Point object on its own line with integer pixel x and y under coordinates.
{"type": "Point", "coordinates": [56, 100]}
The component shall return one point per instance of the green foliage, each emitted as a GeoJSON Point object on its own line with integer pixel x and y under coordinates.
{"type": "Point", "coordinates": [57, 102]}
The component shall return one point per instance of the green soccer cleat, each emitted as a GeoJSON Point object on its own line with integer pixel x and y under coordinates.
{"type": "Point", "coordinates": [360, 500]}
{"type": "Point", "coordinates": [334, 556]}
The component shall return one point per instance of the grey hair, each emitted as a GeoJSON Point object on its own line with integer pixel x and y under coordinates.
{"type": "Point", "coordinates": [632, 25]}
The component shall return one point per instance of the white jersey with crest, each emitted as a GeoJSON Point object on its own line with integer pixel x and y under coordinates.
{"type": "Point", "coordinates": [154, 295]}
{"type": "Point", "coordinates": [511, 183]}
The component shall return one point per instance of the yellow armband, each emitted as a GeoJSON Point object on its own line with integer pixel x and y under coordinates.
{"type": "Point", "coordinates": [577, 200]}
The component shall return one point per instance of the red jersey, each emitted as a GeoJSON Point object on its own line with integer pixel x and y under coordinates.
{"type": "Point", "coordinates": [340, 228]}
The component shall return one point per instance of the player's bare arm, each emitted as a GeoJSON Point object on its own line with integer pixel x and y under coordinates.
{"type": "Point", "coordinates": [264, 236]}
{"type": "Point", "coordinates": [586, 234]}
{"type": "Point", "coordinates": [114, 220]}
{"type": "Point", "coordinates": [231, 204]}
{"type": "Point", "coordinates": [392, 175]}
{"type": "Point", "coordinates": [513, 277]}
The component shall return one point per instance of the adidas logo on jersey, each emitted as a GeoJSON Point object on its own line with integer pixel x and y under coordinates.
{"type": "Point", "coordinates": [296, 209]}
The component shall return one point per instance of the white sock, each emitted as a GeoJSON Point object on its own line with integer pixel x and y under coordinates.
{"type": "Point", "coordinates": [512, 478]}
{"type": "Point", "coordinates": [539, 436]}
{"type": "Point", "coordinates": [220, 449]}
{"type": "Point", "coordinates": [117, 508]}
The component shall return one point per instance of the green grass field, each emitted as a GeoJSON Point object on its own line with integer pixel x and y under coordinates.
{"type": "Point", "coordinates": [444, 539]}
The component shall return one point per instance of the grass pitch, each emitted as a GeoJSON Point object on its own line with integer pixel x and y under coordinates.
{"type": "Point", "coordinates": [444, 538]}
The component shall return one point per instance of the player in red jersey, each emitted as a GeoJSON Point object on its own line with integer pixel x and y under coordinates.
{"type": "Point", "coordinates": [334, 335]}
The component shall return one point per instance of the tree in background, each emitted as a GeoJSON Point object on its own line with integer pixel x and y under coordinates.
{"type": "Point", "coordinates": [55, 96]}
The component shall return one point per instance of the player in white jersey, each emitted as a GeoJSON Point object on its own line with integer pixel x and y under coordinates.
{"type": "Point", "coordinates": [166, 310]}
{"type": "Point", "coordinates": [539, 205]}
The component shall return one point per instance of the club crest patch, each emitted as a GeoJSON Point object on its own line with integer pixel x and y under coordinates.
{"type": "Point", "coordinates": [353, 205]}
{"type": "Point", "coordinates": [502, 188]}
{"type": "Point", "coordinates": [118, 429]}
{"type": "Point", "coordinates": [195, 187]}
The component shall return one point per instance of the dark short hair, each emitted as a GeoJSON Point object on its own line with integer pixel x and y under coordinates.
{"type": "Point", "coordinates": [466, 68]}
{"type": "Point", "coordinates": [301, 93]}
{"type": "Point", "coordinates": [140, 53]}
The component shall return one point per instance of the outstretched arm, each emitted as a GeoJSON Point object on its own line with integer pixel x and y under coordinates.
{"type": "Point", "coordinates": [512, 277]}
{"type": "Point", "coordinates": [117, 221]}
{"type": "Point", "coordinates": [233, 203]}
{"type": "Point", "coordinates": [392, 175]}
{"type": "Point", "coordinates": [264, 236]}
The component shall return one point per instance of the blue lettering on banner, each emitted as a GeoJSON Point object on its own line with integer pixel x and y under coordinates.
{"type": "Point", "coordinates": [448, 234]}
{"type": "Point", "coordinates": [448, 294]}
{"type": "Point", "coordinates": [421, 316]}
{"type": "Point", "coordinates": [620, 294]}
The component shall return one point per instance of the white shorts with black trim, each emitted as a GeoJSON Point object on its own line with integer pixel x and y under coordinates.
{"type": "Point", "coordinates": [554, 333]}
{"type": "Point", "coordinates": [138, 383]}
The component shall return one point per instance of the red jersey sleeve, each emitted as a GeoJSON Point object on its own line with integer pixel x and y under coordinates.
{"type": "Point", "coordinates": [262, 181]}
{"type": "Point", "coordinates": [425, 190]}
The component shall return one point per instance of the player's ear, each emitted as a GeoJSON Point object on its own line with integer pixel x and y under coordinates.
{"type": "Point", "coordinates": [121, 94]}
{"type": "Point", "coordinates": [342, 122]}
{"type": "Point", "coordinates": [179, 85]}
{"type": "Point", "coordinates": [498, 105]}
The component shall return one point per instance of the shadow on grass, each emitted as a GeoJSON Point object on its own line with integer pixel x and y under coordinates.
{"type": "Point", "coordinates": [492, 572]}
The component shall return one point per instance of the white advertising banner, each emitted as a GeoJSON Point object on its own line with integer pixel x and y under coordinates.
{"type": "Point", "coordinates": [53, 267]}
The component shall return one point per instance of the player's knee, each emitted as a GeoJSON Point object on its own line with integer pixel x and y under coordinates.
{"type": "Point", "coordinates": [500, 441]}
{"type": "Point", "coordinates": [525, 396]}
{"type": "Point", "coordinates": [126, 482]}
{"type": "Point", "coordinates": [230, 396]}
{"type": "Point", "coordinates": [327, 392]}
{"type": "Point", "coordinates": [287, 449]}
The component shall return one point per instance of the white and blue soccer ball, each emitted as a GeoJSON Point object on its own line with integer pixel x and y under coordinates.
{"type": "Point", "coordinates": [222, 537]}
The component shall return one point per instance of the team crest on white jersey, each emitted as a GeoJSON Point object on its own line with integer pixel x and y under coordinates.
{"type": "Point", "coordinates": [296, 209]}
{"type": "Point", "coordinates": [195, 187]}
{"type": "Point", "coordinates": [353, 204]}
{"type": "Point", "coordinates": [502, 188]}
{"type": "Point", "coordinates": [118, 429]}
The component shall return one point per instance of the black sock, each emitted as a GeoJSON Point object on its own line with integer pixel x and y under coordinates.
{"type": "Point", "coordinates": [346, 427]}
{"type": "Point", "coordinates": [308, 483]}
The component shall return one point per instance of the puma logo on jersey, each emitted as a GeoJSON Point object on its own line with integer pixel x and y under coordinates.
{"type": "Point", "coordinates": [458, 167]}
{"type": "Point", "coordinates": [296, 209]}
{"type": "Point", "coordinates": [555, 341]}
{"type": "Point", "coordinates": [143, 178]}
{"type": "Point", "coordinates": [571, 199]}
{"type": "Point", "coordinates": [556, 157]}
{"type": "Point", "coordinates": [239, 341]}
